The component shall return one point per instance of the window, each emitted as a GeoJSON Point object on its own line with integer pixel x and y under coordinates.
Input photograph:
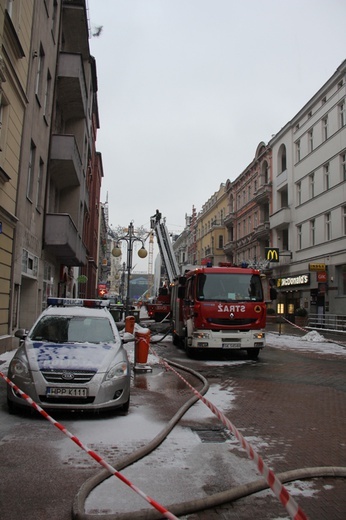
{"type": "Point", "coordinates": [310, 140]}
{"type": "Point", "coordinates": [343, 167]}
{"type": "Point", "coordinates": [299, 237]}
{"type": "Point", "coordinates": [326, 176]}
{"type": "Point", "coordinates": [220, 241]}
{"type": "Point", "coordinates": [39, 186]}
{"type": "Point", "coordinates": [342, 113]}
{"type": "Point", "coordinates": [29, 263]}
{"type": "Point", "coordinates": [9, 7]}
{"type": "Point", "coordinates": [39, 73]}
{"type": "Point", "coordinates": [31, 171]}
{"type": "Point", "coordinates": [344, 220]}
{"type": "Point", "coordinates": [283, 197]}
{"type": "Point", "coordinates": [299, 193]}
{"type": "Point", "coordinates": [341, 277]}
{"type": "Point", "coordinates": [298, 151]}
{"type": "Point", "coordinates": [54, 18]}
{"type": "Point", "coordinates": [282, 162]}
{"type": "Point", "coordinates": [312, 232]}
{"type": "Point", "coordinates": [327, 226]}
{"type": "Point", "coordinates": [3, 121]}
{"type": "Point", "coordinates": [47, 93]}
{"type": "Point", "coordinates": [312, 185]}
{"type": "Point", "coordinates": [325, 128]}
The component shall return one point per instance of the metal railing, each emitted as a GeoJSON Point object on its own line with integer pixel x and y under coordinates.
{"type": "Point", "coordinates": [333, 322]}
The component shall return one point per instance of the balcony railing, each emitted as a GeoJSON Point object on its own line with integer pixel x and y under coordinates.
{"type": "Point", "coordinates": [229, 219]}
{"type": "Point", "coordinates": [281, 218]}
{"type": "Point", "coordinates": [65, 164]}
{"type": "Point", "coordinates": [262, 194]}
{"type": "Point", "coordinates": [71, 86]}
{"type": "Point", "coordinates": [61, 239]}
{"type": "Point", "coordinates": [262, 231]}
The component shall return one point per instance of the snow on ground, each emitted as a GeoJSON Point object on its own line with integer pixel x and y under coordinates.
{"type": "Point", "coordinates": [311, 342]}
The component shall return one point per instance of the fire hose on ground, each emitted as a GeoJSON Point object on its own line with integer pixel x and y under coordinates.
{"type": "Point", "coordinates": [192, 506]}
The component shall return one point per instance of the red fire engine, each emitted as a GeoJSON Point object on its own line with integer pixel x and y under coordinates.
{"type": "Point", "coordinates": [210, 307]}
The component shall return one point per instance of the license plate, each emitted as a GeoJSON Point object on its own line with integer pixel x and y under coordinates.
{"type": "Point", "coordinates": [66, 392]}
{"type": "Point", "coordinates": [230, 345]}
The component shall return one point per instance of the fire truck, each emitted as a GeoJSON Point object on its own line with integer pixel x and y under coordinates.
{"type": "Point", "coordinates": [219, 308]}
{"type": "Point", "coordinates": [161, 306]}
{"type": "Point", "coordinates": [211, 307]}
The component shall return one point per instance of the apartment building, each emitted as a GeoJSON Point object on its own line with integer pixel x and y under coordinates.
{"type": "Point", "coordinates": [56, 206]}
{"type": "Point", "coordinates": [16, 20]}
{"type": "Point", "coordinates": [210, 229]}
{"type": "Point", "coordinates": [292, 197]}
{"type": "Point", "coordinates": [308, 218]}
{"type": "Point", "coordinates": [249, 204]}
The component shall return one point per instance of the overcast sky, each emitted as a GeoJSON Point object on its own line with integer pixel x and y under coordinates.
{"type": "Point", "coordinates": [187, 89]}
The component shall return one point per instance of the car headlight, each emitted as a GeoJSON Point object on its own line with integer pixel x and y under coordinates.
{"type": "Point", "coordinates": [118, 370]}
{"type": "Point", "coordinates": [19, 368]}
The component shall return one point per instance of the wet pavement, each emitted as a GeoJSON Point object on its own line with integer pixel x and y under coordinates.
{"type": "Point", "coordinates": [290, 406]}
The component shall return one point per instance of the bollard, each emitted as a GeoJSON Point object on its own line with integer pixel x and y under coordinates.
{"type": "Point", "coordinates": [142, 341]}
{"type": "Point", "coordinates": [129, 324]}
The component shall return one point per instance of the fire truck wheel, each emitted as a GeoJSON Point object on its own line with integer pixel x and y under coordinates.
{"type": "Point", "coordinates": [253, 353]}
{"type": "Point", "coordinates": [176, 341]}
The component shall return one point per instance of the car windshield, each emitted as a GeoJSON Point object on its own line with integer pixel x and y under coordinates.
{"type": "Point", "coordinates": [73, 329]}
{"type": "Point", "coordinates": [229, 287]}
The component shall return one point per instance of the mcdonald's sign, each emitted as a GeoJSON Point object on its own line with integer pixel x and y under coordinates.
{"type": "Point", "coordinates": [272, 254]}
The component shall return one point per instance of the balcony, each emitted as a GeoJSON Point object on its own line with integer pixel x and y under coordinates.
{"type": "Point", "coordinates": [62, 240]}
{"type": "Point", "coordinates": [280, 219]}
{"type": "Point", "coordinates": [75, 24]}
{"type": "Point", "coordinates": [229, 248]}
{"type": "Point", "coordinates": [217, 224]}
{"type": "Point", "coordinates": [262, 231]}
{"type": "Point", "coordinates": [65, 163]}
{"type": "Point", "coordinates": [263, 194]}
{"type": "Point", "coordinates": [71, 86]}
{"type": "Point", "coordinates": [229, 219]}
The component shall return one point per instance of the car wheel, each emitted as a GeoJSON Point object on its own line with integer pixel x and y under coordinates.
{"type": "Point", "coordinates": [12, 408]}
{"type": "Point", "coordinates": [126, 406]}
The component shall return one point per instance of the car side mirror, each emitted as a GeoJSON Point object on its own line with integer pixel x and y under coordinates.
{"type": "Point", "coordinates": [21, 333]}
{"type": "Point", "coordinates": [127, 337]}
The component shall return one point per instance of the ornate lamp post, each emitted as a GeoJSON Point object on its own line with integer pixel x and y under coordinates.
{"type": "Point", "coordinates": [129, 238]}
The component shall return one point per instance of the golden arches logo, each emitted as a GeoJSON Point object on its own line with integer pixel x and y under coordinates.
{"type": "Point", "coordinates": [272, 254]}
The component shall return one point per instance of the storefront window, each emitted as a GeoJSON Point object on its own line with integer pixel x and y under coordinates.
{"type": "Point", "coordinates": [342, 280]}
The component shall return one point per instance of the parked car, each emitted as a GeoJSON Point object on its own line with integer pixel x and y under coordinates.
{"type": "Point", "coordinates": [73, 358]}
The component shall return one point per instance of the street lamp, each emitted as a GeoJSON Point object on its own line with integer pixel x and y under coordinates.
{"type": "Point", "coordinates": [129, 238]}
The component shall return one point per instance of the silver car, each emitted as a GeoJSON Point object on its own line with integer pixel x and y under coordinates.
{"type": "Point", "coordinates": [73, 358]}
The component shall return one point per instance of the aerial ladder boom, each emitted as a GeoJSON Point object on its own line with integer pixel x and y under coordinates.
{"type": "Point", "coordinates": [165, 247]}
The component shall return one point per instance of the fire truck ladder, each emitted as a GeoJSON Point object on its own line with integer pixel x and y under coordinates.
{"type": "Point", "coordinates": [166, 249]}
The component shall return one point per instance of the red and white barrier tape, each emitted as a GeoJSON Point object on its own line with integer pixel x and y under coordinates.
{"type": "Point", "coordinates": [274, 483]}
{"type": "Point", "coordinates": [294, 325]}
{"type": "Point", "coordinates": [90, 452]}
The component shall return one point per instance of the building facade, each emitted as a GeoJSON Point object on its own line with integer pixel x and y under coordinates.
{"type": "Point", "coordinates": [16, 19]}
{"type": "Point", "coordinates": [210, 229]}
{"type": "Point", "coordinates": [249, 204]}
{"type": "Point", "coordinates": [51, 188]}
{"type": "Point", "coordinates": [291, 198]}
{"type": "Point", "coordinates": [308, 218]}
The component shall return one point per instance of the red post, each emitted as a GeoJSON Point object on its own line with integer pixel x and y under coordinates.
{"type": "Point", "coordinates": [129, 324]}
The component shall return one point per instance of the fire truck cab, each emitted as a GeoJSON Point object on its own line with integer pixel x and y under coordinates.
{"type": "Point", "coordinates": [219, 308]}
